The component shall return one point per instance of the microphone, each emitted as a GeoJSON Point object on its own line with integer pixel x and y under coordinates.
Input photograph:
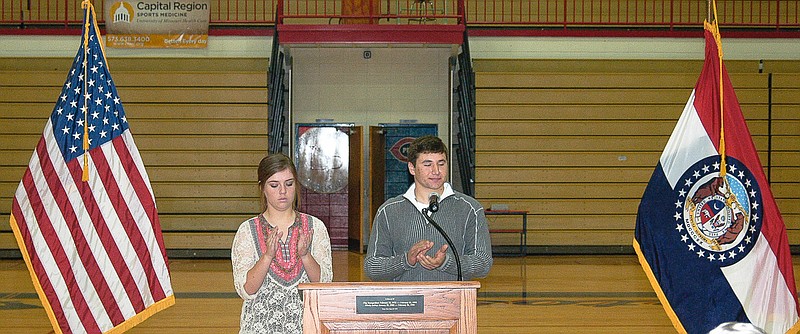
{"type": "Point", "coordinates": [433, 202]}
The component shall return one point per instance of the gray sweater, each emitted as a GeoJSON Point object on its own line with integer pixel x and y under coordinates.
{"type": "Point", "coordinates": [399, 224]}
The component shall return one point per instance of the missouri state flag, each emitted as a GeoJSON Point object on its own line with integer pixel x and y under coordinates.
{"type": "Point", "coordinates": [84, 215]}
{"type": "Point", "coordinates": [709, 235]}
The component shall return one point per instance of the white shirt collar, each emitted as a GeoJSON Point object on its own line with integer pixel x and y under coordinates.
{"type": "Point", "coordinates": [448, 190]}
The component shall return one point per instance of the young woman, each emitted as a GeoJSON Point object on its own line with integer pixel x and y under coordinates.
{"type": "Point", "coordinates": [275, 251]}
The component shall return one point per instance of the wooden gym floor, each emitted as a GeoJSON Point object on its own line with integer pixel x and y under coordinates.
{"type": "Point", "coordinates": [533, 294]}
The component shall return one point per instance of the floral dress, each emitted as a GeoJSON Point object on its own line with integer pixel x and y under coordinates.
{"type": "Point", "coordinates": [276, 306]}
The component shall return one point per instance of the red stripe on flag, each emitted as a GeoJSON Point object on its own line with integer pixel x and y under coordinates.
{"type": "Point", "coordinates": [93, 210]}
{"type": "Point", "coordinates": [38, 268]}
{"type": "Point", "coordinates": [740, 145]}
{"type": "Point", "coordinates": [82, 246]}
{"type": "Point", "coordinates": [129, 222]}
{"type": "Point", "coordinates": [109, 244]}
{"type": "Point", "coordinates": [142, 191]}
{"type": "Point", "coordinates": [59, 255]}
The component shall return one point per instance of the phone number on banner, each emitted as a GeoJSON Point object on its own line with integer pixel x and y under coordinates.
{"type": "Point", "coordinates": [156, 41]}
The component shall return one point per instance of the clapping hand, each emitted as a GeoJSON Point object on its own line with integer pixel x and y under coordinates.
{"type": "Point", "coordinates": [434, 262]}
{"type": "Point", "coordinates": [418, 249]}
{"type": "Point", "coordinates": [273, 242]}
{"type": "Point", "coordinates": [303, 243]}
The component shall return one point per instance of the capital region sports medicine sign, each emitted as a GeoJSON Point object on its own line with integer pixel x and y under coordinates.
{"type": "Point", "coordinates": [157, 24]}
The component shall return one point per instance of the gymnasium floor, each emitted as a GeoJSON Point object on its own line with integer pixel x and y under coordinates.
{"type": "Point", "coordinates": [533, 294]}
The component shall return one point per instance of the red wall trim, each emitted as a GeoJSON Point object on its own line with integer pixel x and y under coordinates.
{"type": "Point", "coordinates": [370, 33]}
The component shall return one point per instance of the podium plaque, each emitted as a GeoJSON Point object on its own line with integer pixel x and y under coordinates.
{"type": "Point", "coordinates": [390, 307]}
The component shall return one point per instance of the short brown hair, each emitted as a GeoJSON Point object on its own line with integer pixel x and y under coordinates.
{"type": "Point", "coordinates": [425, 144]}
{"type": "Point", "coordinates": [271, 165]}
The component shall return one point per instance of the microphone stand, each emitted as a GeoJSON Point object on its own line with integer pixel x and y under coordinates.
{"type": "Point", "coordinates": [446, 238]}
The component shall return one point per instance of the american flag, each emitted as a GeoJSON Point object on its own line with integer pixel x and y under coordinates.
{"type": "Point", "coordinates": [85, 219]}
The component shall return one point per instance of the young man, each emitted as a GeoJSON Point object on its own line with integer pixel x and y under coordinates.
{"type": "Point", "coordinates": [403, 246]}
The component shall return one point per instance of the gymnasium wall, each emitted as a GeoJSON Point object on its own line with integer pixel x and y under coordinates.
{"type": "Point", "coordinates": [572, 141]}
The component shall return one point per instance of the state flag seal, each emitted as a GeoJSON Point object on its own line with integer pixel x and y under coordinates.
{"type": "Point", "coordinates": [718, 216]}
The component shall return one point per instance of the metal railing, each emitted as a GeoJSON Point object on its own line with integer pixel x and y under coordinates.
{"type": "Point", "coordinates": [566, 14]}
{"type": "Point", "coordinates": [641, 13]}
{"type": "Point", "coordinates": [380, 12]}
{"type": "Point", "coordinates": [466, 110]}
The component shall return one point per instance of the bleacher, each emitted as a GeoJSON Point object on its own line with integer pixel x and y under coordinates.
{"type": "Point", "coordinates": [574, 142]}
{"type": "Point", "coordinates": [200, 126]}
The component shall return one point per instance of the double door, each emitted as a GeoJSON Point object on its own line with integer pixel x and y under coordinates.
{"type": "Point", "coordinates": [329, 165]}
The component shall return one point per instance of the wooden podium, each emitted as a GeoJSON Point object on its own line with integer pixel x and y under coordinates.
{"type": "Point", "coordinates": [390, 307]}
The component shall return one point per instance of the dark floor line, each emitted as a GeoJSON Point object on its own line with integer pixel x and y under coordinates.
{"type": "Point", "coordinates": [506, 294]}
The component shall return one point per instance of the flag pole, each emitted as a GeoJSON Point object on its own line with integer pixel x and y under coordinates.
{"type": "Point", "coordinates": [87, 5]}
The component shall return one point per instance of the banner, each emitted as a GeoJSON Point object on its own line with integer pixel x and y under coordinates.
{"type": "Point", "coordinates": [157, 24]}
